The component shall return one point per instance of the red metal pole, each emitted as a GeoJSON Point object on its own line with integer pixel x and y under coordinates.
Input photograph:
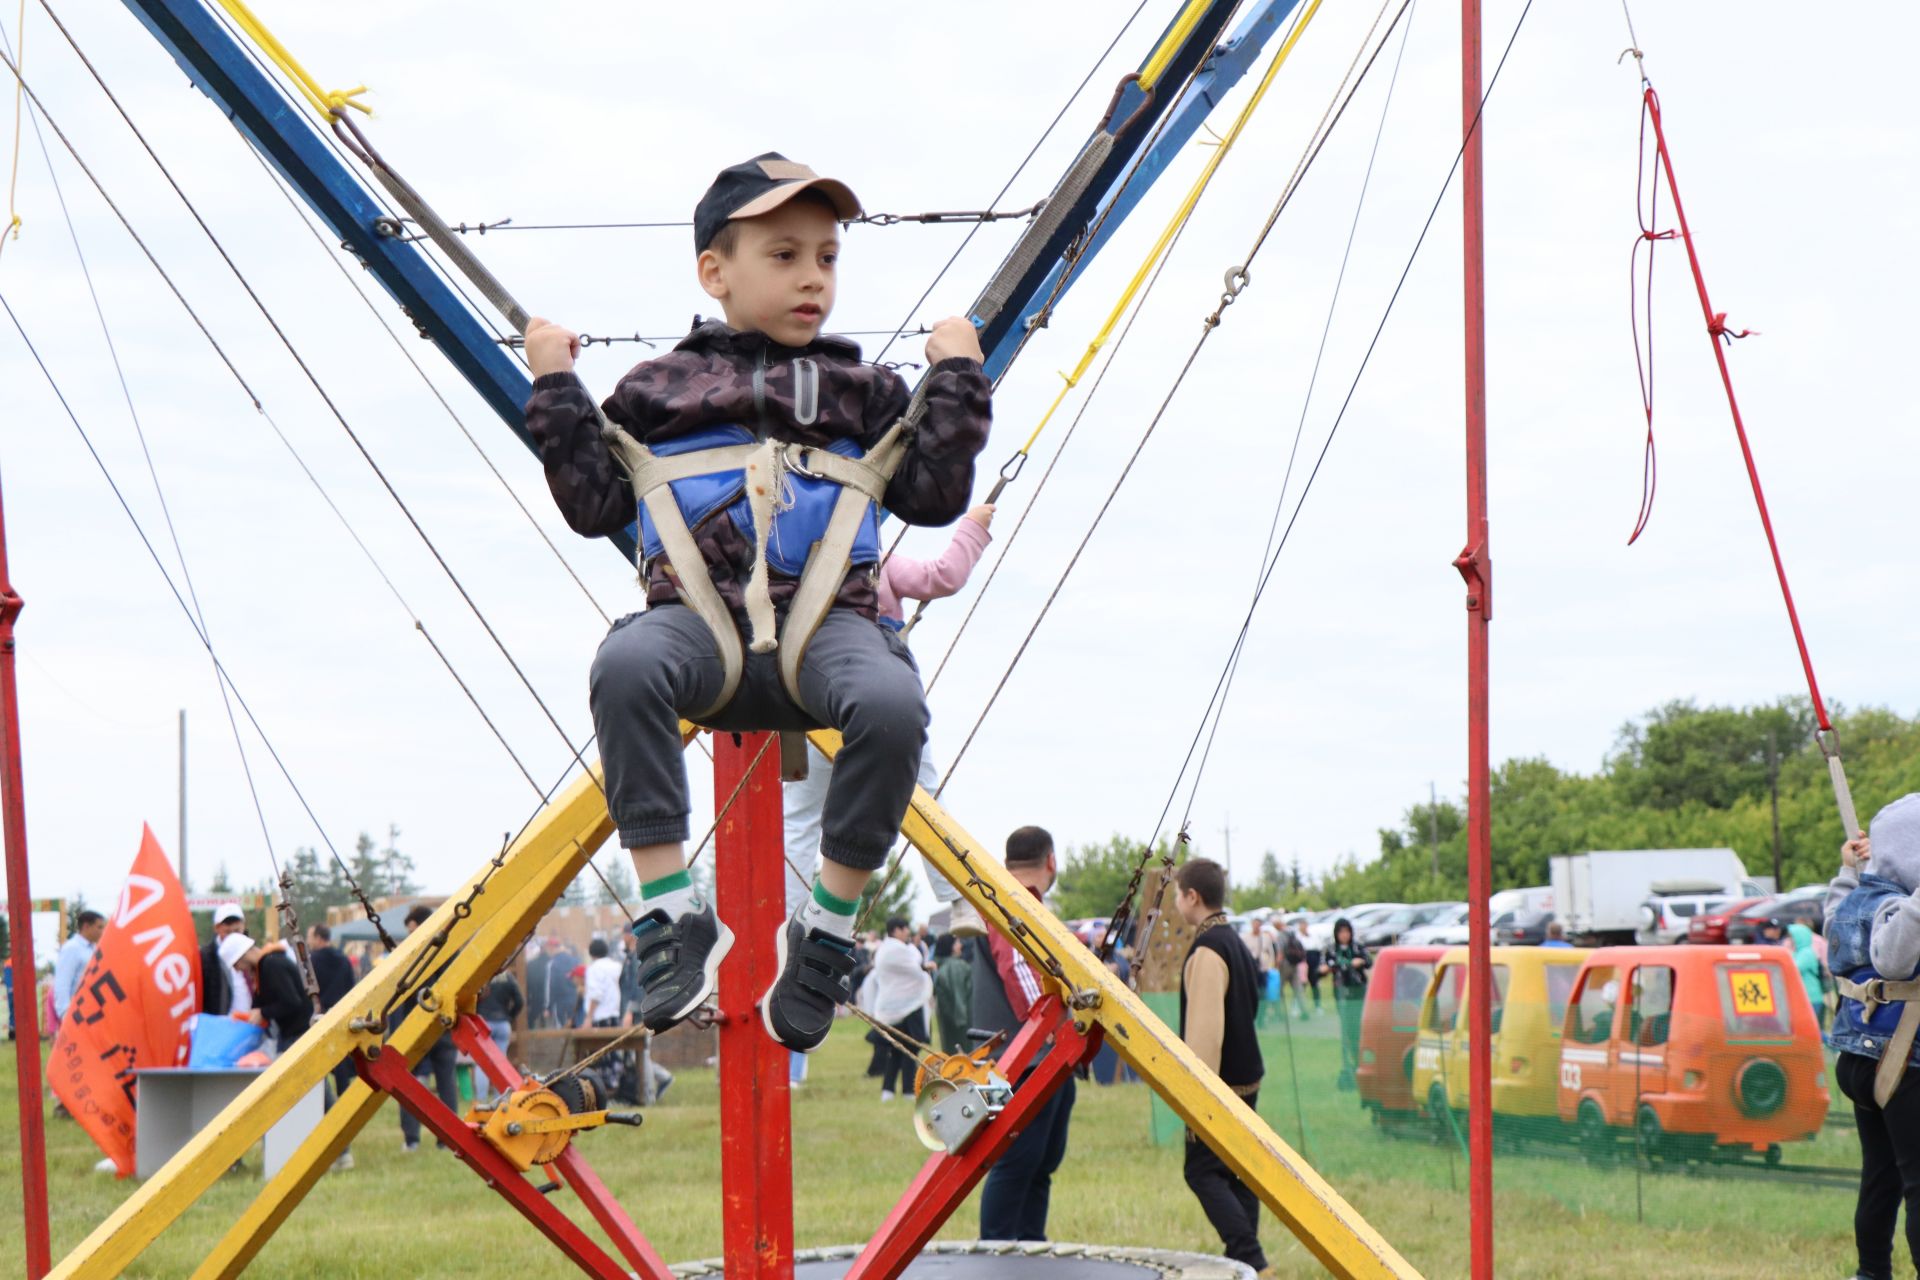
{"type": "Point", "coordinates": [1476, 568]}
{"type": "Point", "coordinates": [476, 1041]}
{"type": "Point", "coordinates": [389, 1073]}
{"type": "Point", "coordinates": [946, 1180]}
{"type": "Point", "coordinates": [26, 1014]}
{"type": "Point", "coordinates": [756, 1134]}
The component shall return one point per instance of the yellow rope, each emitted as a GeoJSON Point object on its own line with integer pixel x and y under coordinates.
{"type": "Point", "coordinates": [1178, 221]}
{"type": "Point", "coordinates": [19, 86]}
{"type": "Point", "coordinates": [326, 102]}
{"type": "Point", "coordinates": [1170, 45]}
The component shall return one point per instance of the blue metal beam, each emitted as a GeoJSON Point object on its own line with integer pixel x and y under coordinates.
{"type": "Point", "coordinates": [279, 129]}
{"type": "Point", "coordinates": [1225, 66]}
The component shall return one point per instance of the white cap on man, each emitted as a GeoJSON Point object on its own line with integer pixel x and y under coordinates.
{"type": "Point", "coordinates": [229, 911]}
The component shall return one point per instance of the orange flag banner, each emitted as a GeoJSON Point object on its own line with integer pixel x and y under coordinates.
{"type": "Point", "coordinates": [135, 1005]}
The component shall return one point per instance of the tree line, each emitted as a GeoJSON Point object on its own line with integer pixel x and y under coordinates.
{"type": "Point", "coordinates": [1751, 779]}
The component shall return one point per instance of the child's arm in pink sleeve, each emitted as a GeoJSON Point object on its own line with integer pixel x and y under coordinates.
{"type": "Point", "coordinates": [942, 576]}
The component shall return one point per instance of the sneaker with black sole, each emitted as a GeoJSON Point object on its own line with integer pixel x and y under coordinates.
{"type": "Point", "coordinates": [679, 960]}
{"type": "Point", "coordinates": [815, 965]}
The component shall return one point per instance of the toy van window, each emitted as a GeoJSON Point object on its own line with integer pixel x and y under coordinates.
{"type": "Point", "coordinates": [1650, 1017]}
{"type": "Point", "coordinates": [1409, 990]}
{"type": "Point", "coordinates": [1560, 980]}
{"type": "Point", "coordinates": [1754, 998]}
{"type": "Point", "coordinates": [1444, 1007]}
{"type": "Point", "coordinates": [1501, 976]}
{"type": "Point", "coordinates": [1592, 1019]}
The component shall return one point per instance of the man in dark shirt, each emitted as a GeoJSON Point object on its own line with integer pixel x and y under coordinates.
{"type": "Point", "coordinates": [1219, 1002]}
{"type": "Point", "coordinates": [440, 1059]}
{"type": "Point", "coordinates": [333, 973]}
{"type": "Point", "coordinates": [1013, 1203]}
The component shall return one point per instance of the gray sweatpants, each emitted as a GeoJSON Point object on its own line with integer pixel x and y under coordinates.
{"type": "Point", "coordinates": [858, 677]}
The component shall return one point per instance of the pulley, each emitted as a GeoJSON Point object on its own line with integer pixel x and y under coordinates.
{"type": "Point", "coordinates": [955, 1095]}
{"type": "Point", "coordinates": [534, 1123]}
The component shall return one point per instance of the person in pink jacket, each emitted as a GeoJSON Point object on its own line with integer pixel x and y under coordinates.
{"type": "Point", "coordinates": [901, 579]}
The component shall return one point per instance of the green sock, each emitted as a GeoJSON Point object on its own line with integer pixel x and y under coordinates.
{"type": "Point", "coordinates": [838, 906]}
{"type": "Point", "coordinates": [828, 913]}
{"type": "Point", "coordinates": [673, 894]}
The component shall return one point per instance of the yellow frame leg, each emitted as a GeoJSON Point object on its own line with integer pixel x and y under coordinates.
{"type": "Point", "coordinates": [1312, 1210]}
{"type": "Point", "coordinates": [535, 870]}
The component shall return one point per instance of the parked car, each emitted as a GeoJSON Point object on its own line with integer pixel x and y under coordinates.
{"type": "Point", "coordinates": [1388, 929]}
{"type": "Point", "coordinates": [1459, 933]}
{"type": "Point", "coordinates": [1708, 928]}
{"type": "Point", "coordinates": [1664, 917]}
{"type": "Point", "coordinates": [1523, 929]}
{"type": "Point", "coordinates": [1531, 987]}
{"type": "Point", "coordinates": [1439, 930]}
{"type": "Point", "coordinates": [1805, 905]}
{"type": "Point", "coordinates": [1692, 1053]}
{"type": "Point", "coordinates": [1389, 1022]}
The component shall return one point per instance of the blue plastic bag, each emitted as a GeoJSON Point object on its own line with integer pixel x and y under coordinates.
{"type": "Point", "coordinates": [1273, 984]}
{"type": "Point", "coordinates": [221, 1042]}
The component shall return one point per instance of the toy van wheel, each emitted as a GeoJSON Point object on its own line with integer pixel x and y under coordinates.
{"type": "Point", "coordinates": [1651, 1138]}
{"type": "Point", "coordinates": [1596, 1140]}
{"type": "Point", "coordinates": [1438, 1110]}
{"type": "Point", "coordinates": [1774, 1154]}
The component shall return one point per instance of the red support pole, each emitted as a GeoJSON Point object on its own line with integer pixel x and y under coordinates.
{"type": "Point", "coordinates": [945, 1180]}
{"type": "Point", "coordinates": [756, 1134]}
{"type": "Point", "coordinates": [26, 1013]}
{"type": "Point", "coordinates": [388, 1072]}
{"type": "Point", "coordinates": [1476, 568]}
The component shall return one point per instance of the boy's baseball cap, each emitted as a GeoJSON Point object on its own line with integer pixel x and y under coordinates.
{"type": "Point", "coordinates": [761, 185]}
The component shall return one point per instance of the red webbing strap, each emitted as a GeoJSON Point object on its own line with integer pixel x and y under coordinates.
{"type": "Point", "coordinates": [1717, 330]}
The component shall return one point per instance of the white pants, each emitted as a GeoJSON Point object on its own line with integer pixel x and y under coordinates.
{"type": "Point", "coordinates": [803, 801]}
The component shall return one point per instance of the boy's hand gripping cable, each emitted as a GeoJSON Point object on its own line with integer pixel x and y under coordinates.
{"type": "Point", "coordinates": [1721, 336]}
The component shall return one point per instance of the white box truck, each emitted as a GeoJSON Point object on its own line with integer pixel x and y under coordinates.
{"type": "Point", "coordinates": [1599, 894]}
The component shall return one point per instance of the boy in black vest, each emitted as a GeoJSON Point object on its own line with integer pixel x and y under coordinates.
{"type": "Point", "coordinates": [1219, 999]}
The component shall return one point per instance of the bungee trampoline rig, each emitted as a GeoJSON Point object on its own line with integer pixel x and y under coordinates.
{"type": "Point", "coordinates": [426, 985]}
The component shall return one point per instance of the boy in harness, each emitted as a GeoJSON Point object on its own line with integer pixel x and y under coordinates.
{"type": "Point", "coordinates": [757, 456]}
{"type": "Point", "coordinates": [1873, 949]}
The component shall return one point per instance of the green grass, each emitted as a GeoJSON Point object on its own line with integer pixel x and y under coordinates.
{"type": "Point", "coordinates": [397, 1215]}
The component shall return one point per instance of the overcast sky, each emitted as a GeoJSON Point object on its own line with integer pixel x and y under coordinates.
{"type": "Point", "coordinates": [1795, 146]}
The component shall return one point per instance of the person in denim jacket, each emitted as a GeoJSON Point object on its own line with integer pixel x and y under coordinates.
{"type": "Point", "coordinates": [1873, 951]}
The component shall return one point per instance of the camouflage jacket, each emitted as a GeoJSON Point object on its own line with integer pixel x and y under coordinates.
{"type": "Point", "coordinates": [720, 375]}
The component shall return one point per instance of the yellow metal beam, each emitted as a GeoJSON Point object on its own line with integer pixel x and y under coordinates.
{"type": "Point", "coordinates": [1303, 1201]}
{"type": "Point", "coordinates": [498, 935]}
{"type": "Point", "coordinates": [565, 832]}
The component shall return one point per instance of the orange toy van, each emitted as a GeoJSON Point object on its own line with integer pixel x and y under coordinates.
{"type": "Point", "coordinates": [1694, 1052]}
{"type": "Point", "coordinates": [1389, 1022]}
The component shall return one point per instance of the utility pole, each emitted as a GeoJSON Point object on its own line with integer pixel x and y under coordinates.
{"type": "Point", "coordinates": [182, 846]}
{"type": "Point", "coordinates": [1226, 844]}
{"type": "Point", "coordinates": [1433, 830]}
{"type": "Point", "coordinates": [1773, 786]}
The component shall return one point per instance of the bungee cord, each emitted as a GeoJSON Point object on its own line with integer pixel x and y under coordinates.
{"type": "Point", "coordinates": [153, 474]}
{"type": "Point", "coordinates": [576, 753]}
{"type": "Point", "coordinates": [1280, 545]}
{"type": "Point", "coordinates": [1306, 403]}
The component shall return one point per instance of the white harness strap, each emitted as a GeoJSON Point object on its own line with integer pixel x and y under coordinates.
{"type": "Point", "coordinates": [862, 481]}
